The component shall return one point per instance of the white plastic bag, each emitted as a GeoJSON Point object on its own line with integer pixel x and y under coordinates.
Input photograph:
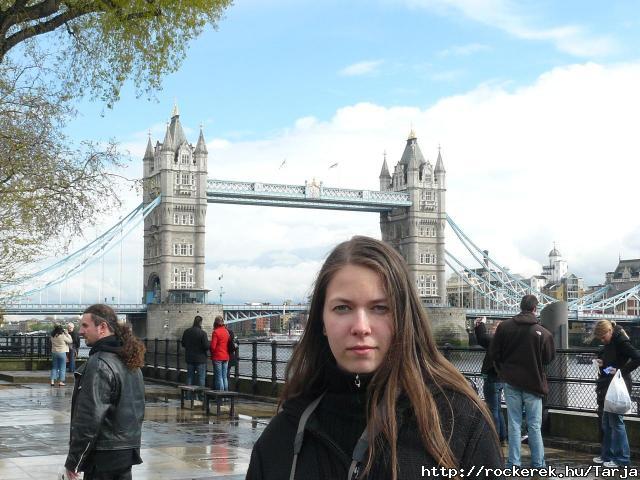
{"type": "Point", "coordinates": [617, 399]}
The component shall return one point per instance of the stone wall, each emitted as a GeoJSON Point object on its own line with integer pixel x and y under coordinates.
{"type": "Point", "coordinates": [449, 325]}
{"type": "Point", "coordinates": [167, 320]}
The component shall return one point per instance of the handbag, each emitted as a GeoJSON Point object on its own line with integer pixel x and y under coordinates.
{"type": "Point", "coordinates": [617, 399]}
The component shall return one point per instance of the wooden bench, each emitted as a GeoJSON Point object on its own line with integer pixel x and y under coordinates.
{"type": "Point", "coordinates": [218, 396]}
{"type": "Point", "coordinates": [193, 389]}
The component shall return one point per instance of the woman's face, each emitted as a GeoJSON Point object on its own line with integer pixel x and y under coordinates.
{"type": "Point", "coordinates": [606, 337]}
{"type": "Point", "coordinates": [357, 319]}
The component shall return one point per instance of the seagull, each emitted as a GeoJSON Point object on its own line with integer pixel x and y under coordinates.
{"type": "Point", "coordinates": [334, 165]}
{"type": "Point", "coordinates": [220, 277]}
{"type": "Point", "coordinates": [284, 162]}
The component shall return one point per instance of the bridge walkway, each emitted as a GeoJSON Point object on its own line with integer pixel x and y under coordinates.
{"type": "Point", "coordinates": [177, 444]}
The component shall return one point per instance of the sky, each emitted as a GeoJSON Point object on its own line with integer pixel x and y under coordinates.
{"type": "Point", "coordinates": [533, 104]}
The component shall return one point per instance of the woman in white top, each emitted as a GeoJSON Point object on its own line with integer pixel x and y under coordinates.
{"type": "Point", "coordinates": [60, 341]}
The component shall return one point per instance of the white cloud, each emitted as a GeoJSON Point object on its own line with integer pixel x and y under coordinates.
{"type": "Point", "coordinates": [557, 160]}
{"type": "Point", "coordinates": [361, 68]}
{"type": "Point", "coordinates": [463, 50]}
{"type": "Point", "coordinates": [511, 18]}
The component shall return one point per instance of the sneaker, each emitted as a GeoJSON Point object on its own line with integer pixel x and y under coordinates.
{"type": "Point", "coordinates": [61, 384]}
{"type": "Point", "coordinates": [525, 439]}
{"type": "Point", "coordinates": [610, 464]}
{"type": "Point", "coordinates": [598, 460]}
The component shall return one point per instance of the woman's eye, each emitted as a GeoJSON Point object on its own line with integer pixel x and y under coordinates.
{"type": "Point", "coordinates": [341, 308]}
{"type": "Point", "coordinates": [380, 308]}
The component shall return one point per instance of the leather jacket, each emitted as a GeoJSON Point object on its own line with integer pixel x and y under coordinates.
{"type": "Point", "coordinates": [107, 407]}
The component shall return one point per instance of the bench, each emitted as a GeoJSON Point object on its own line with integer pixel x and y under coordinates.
{"type": "Point", "coordinates": [218, 396]}
{"type": "Point", "coordinates": [193, 389]}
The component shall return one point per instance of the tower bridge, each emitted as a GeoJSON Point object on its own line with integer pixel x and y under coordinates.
{"type": "Point", "coordinates": [411, 201]}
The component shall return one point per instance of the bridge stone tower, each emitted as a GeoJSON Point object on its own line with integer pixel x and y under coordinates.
{"type": "Point", "coordinates": [174, 232]}
{"type": "Point", "coordinates": [417, 232]}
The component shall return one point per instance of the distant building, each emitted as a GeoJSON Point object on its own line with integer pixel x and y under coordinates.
{"type": "Point", "coordinates": [624, 277]}
{"type": "Point", "coordinates": [560, 283]}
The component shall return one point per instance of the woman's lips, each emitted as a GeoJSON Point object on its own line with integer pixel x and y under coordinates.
{"type": "Point", "coordinates": [361, 349]}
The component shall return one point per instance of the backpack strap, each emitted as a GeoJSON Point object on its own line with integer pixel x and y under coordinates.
{"type": "Point", "coordinates": [297, 443]}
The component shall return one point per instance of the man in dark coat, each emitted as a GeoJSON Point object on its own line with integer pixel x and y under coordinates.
{"type": "Point", "coordinates": [107, 406]}
{"type": "Point", "coordinates": [74, 347]}
{"type": "Point", "coordinates": [196, 345]}
{"type": "Point", "coordinates": [521, 348]}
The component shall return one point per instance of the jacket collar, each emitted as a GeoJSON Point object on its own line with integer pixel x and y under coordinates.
{"type": "Point", "coordinates": [107, 344]}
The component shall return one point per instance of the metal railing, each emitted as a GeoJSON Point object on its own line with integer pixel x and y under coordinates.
{"type": "Point", "coordinates": [571, 375]}
{"type": "Point", "coordinates": [25, 346]}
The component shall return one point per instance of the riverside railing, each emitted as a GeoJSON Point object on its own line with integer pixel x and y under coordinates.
{"type": "Point", "coordinates": [571, 375]}
{"type": "Point", "coordinates": [25, 346]}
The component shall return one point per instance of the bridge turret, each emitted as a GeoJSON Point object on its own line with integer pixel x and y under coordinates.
{"type": "Point", "coordinates": [417, 232]}
{"type": "Point", "coordinates": [385, 177]}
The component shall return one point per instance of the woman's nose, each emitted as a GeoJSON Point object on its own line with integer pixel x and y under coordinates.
{"type": "Point", "coordinates": [361, 325]}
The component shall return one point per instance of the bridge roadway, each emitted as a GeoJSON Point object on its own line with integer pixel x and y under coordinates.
{"type": "Point", "coordinates": [234, 313]}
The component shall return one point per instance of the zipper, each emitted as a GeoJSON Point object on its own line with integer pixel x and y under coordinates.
{"type": "Point", "coordinates": [357, 381]}
{"type": "Point", "coordinates": [81, 456]}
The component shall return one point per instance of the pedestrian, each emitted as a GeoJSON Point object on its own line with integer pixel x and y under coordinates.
{"type": "Point", "coordinates": [196, 345]}
{"type": "Point", "coordinates": [367, 393]}
{"type": "Point", "coordinates": [492, 386]}
{"type": "Point", "coordinates": [232, 348]}
{"type": "Point", "coordinates": [617, 354]}
{"type": "Point", "coordinates": [74, 347]}
{"type": "Point", "coordinates": [107, 407]}
{"type": "Point", "coordinates": [60, 341]}
{"type": "Point", "coordinates": [220, 354]}
{"type": "Point", "coordinates": [521, 348]}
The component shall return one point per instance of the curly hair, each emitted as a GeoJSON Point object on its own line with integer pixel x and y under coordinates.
{"type": "Point", "coordinates": [133, 350]}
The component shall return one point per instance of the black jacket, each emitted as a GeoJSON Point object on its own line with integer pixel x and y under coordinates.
{"type": "Point", "coordinates": [75, 339]}
{"type": "Point", "coordinates": [333, 429]}
{"type": "Point", "coordinates": [521, 348]}
{"type": "Point", "coordinates": [484, 340]}
{"type": "Point", "coordinates": [107, 407]}
{"type": "Point", "coordinates": [618, 353]}
{"type": "Point", "coordinates": [196, 344]}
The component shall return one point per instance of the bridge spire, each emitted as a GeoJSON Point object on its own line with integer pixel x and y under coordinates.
{"type": "Point", "coordinates": [201, 146]}
{"type": "Point", "coordinates": [148, 154]}
{"type": "Point", "coordinates": [439, 163]}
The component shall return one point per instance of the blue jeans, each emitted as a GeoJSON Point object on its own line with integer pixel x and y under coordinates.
{"type": "Point", "coordinates": [196, 368]}
{"type": "Point", "coordinates": [220, 368]}
{"type": "Point", "coordinates": [493, 396]}
{"type": "Point", "coordinates": [517, 400]}
{"type": "Point", "coordinates": [58, 366]}
{"type": "Point", "coordinates": [615, 444]}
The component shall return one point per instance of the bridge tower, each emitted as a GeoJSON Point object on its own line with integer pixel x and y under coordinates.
{"type": "Point", "coordinates": [174, 232]}
{"type": "Point", "coordinates": [417, 232]}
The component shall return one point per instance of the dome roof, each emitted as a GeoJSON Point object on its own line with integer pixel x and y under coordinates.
{"type": "Point", "coordinates": [554, 252]}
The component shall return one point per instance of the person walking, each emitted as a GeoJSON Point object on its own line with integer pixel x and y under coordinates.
{"type": "Point", "coordinates": [367, 393]}
{"type": "Point", "coordinates": [521, 348]}
{"type": "Point", "coordinates": [617, 354]}
{"type": "Point", "coordinates": [74, 347]}
{"type": "Point", "coordinates": [220, 354]}
{"type": "Point", "coordinates": [196, 345]}
{"type": "Point", "coordinates": [107, 407]}
{"type": "Point", "coordinates": [60, 341]}
{"type": "Point", "coordinates": [492, 386]}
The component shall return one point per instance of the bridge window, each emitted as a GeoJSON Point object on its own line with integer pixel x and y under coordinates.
{"type": "Point", "coordinates": [184, 159]}
{"type": "Point", "coordinates": [183, 249]}
{"type": "Point", "coordinates": [427, 258]}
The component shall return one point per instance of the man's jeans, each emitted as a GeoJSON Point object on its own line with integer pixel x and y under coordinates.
{"type": "Point", "coordinates": [72, 360]}
{"type": "Point", "coordinates": [493, 396]}
{"type": "Point", "coordinates": [220, 368]}
{"type": "Point", "coordinates": [615, 444]}
{"type": "Point", "coordinates": [517, 399]}
{"type": "Point", "coordinates": [194, 369]}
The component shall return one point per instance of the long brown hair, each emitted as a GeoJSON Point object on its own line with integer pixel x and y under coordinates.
{"type": "Point", "coordinates": [413, 360]}
{"type": "Point", "coordinates": [133, 350]}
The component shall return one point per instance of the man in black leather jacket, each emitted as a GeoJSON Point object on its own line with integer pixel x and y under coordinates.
{"type": "Point", "coordinates": [107, 406]}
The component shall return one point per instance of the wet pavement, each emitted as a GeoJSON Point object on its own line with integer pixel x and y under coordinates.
{"type": "Point", "coordinates": [177, 444]}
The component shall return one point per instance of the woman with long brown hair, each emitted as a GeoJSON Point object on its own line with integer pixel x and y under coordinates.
{"type": "Point", "coordinates": [367, 393]}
